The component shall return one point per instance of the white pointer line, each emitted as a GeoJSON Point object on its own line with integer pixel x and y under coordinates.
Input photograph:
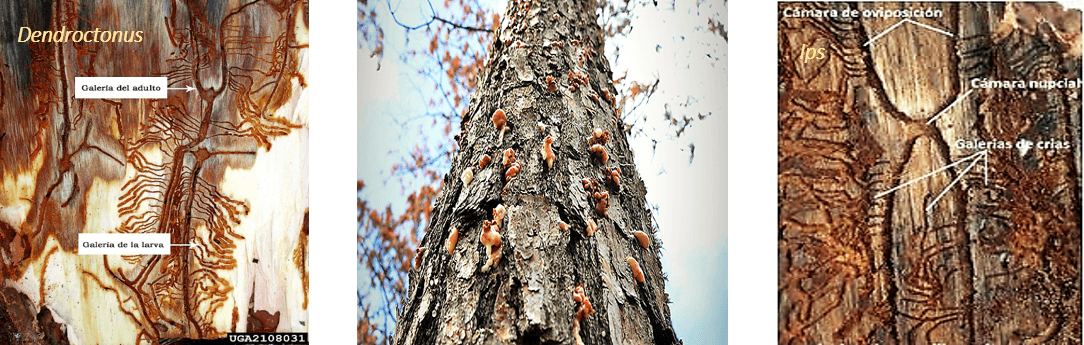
{"type": "Point", "coordinates": [187, 88]}
{"type": "Point", "coordinates": [183, 245]}
{"type": "Point", "coordinates": [949, 107]}
{"type": "Point", "coordinates": [928, 175]}
{"type": "Point", "coordinates": [904, 21]}
{"type": "Point", "coordinates": [954, 181]}
{"type": "Point", "coordinates": [885, 32]}
{"type": "Point", "coordinates": [931, 28]}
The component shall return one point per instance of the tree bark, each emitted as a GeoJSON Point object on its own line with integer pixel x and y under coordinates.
{"type": "Point", "coordinates": [996, 258]}
{"type": "Point", "coordinates": [527, 296]}
{"type": "Point", "coordinates": [223, 167]}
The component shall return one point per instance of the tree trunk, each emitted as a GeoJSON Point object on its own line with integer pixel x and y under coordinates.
{"type": "Point", "coordinates": [986, 251]}
{"type": "Point", "coordinates": [527, 296]}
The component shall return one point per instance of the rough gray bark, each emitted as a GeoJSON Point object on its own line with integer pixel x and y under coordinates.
{"type": "Point", "coordinates": [989, 263]}
{"type": "Point", "coordinates": [527, 297]}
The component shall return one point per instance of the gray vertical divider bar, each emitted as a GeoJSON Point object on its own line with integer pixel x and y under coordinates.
{"type": "Point", "coordinates": [752, 226]}
{"type": "Point", "coordinates": [333, 40]}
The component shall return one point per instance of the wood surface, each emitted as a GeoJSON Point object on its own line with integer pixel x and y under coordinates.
{"type": "Point", "coordinates": [223, 167]}
{"type": "Point", "coordinates": [991, 262]}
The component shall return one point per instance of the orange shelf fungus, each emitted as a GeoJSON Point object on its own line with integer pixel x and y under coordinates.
{"type": "Point", "coordinates": [501, 122]}
{"type": "Point", "coordinates": [644, 240]}
{"type": "Point", "coordinates": [482, 162]}
{"type": "Point", "coordinates": [603, 203]}
{"type": "Point", "coordinates": [590, 185]}
{"type": "Point", "coordinates": [599, 136]}
{"type": "Point", "coordinates": [591, 227]}
{"type": "Point", "coordinates": [418, 258]}
{"type": "Point", "coordinates": [562, 225]}
{"type": "Point", "coordinates": [509, 158]}
{"type": "Point", "coordinates": [635, 267]}
{"type": "Point", "coordinates": [584, 310]}
{"type": "Point", "coordinates": [551, 84]}
{"type": "Point", "coordinates": [599, 153]}
{"type": "Point", "coordinates": [512, 171]}
{"type": "Point", "coordinates": [615, 177]}
{"type": "Point", "coordinates": [498, 214]}
{"type": "Point", "coordinates": [547, 152]}
{"type": "Point", "coordinates": [468, 175]}
{"type": "Point", "coordinates": [491, 238]}
{"type": "Point", "coordinates": [602, 197]}
{"type": "Point", "coordinates": [452, 239]}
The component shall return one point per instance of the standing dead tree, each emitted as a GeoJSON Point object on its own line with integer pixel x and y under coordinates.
{"type": "Point", "coordinates": [541, 232]}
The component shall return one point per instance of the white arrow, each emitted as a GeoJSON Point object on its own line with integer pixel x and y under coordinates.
{"type": "Point", "coordinates": [186, 87]}
{"type": "Point", "coordinates": [985, 154]}
{"type": "Point", "coordinates": [950, 106]}
{"type": "Point", "coordinates": [906, 21]}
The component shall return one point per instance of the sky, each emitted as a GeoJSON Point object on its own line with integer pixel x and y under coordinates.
{"type": "Point", "coordinates": [691, 196]}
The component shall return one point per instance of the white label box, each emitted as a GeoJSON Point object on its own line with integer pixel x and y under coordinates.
{"type": "Point", "coordinates": [123, 244]}
{"type": "Point", "coordinates": [120, 87]}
